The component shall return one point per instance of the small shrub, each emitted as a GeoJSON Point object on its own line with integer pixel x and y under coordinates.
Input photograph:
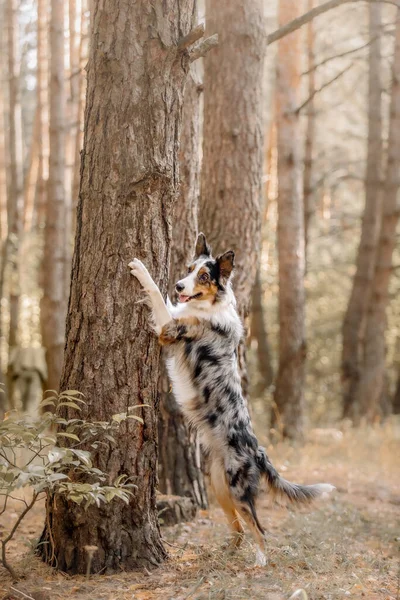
{"type": "Point", "coordinates": [45, 456]}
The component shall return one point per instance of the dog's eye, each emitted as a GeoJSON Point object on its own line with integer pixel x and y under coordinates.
{"type": "Point", "coordinates": [190, 269]}
{"type": "Point", "coordinates": [204, 277]}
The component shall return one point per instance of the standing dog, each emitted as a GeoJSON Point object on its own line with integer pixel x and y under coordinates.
{"type": "Point", "coordinates": [202, 333]}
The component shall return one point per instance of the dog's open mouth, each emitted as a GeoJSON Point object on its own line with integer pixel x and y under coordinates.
{"type": "Point", "coordinates": [182, 298]}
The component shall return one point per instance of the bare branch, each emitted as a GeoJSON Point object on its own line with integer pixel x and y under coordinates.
{"type": "Point", "coordinates": [315, 12]}
{"type": "Point", "coordinates": [326, 84]}
{"type": "Point", "coordinates": [385, 31]}
{"type": "Point", "coordinates": [203, 47]}
{"type": "Point", "coordinates": [191, 37]}
{"type": "Point", "coordinates": [341, 55]}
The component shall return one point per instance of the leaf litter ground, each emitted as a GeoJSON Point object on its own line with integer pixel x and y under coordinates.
{"type": "Point", "coordinates": [344, 547]}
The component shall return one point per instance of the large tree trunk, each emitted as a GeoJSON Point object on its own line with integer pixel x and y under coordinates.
{"type": "Point", "coordinates": [231, 181]}
{"type": "Point", "coordinates": [365, 262]}
{"type": "Point", "coordinates": [180, 462]}
{"type": "Point", "coordinates": [372, 380]}
{"type": "Point", "coordinates": [310, 133]}
{"type": "Point", "coordinates": [54, 302]}
{"type": "Point", "coordinates": [289, 392]}
{"type": "Point", "coordinates": [15, 181]}
{"type": "Point", "coordinates": [129, 183]}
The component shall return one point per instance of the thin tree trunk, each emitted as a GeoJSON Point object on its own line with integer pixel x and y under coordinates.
{"type": "Point", "coordinates": [289, 391]}
{"type": "Point", "coordinates": [3, 201]}
{"type": "Point", "coordinates": [310, 133]}
{"type": "Point", "coordinates": [371, 384]}
{"type": "Point", "coordinates": [83, 56]}
{"type": "Point", "coordinates": [180, 470]}
{"type": "Point", "coordinates": [231, 183]}
{"type": "Point", "coordinates": [31, 177]}
{"type": "Point", "coordinates": [396, 398]}
{"type": "Point", "coordinates": [129, 184]}
{"type": "Point", "coordinates": [259, 333]}
{"type": "Point", "coordinates": [15, 183]}
{"type": "Point", "coordinates": [72, 129]}
{"type": "Point", "coordinates": [43, 112]}
{"type": "Point", "coordinates": [54, 302]}
{"type": "Point", "coordinates": [358, 303]}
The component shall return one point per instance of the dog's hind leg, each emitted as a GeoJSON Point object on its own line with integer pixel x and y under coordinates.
{"type": "Point", "coordinates": [223, 495]}
{"type": "Point", "coordinates": [248, 513]}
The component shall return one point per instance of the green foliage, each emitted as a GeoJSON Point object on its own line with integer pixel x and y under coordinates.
{"type": "Point", "coordinates": [46, 456]}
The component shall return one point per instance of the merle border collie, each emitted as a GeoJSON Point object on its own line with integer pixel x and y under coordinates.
{"type": "Point", "coordinates": [201, 334]}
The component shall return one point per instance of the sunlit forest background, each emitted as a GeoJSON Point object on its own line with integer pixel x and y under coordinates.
{"type": "Point", "coordinates": [338, 104]}
{"type": "Point", "coordinates": [318, 151]}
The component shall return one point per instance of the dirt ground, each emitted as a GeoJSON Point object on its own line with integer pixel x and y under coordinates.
{"type": "Point", "coordinates": [346, 546]}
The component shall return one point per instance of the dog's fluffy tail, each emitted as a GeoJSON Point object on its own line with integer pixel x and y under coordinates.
{"type": "Point", "coordinates": [283, 489]}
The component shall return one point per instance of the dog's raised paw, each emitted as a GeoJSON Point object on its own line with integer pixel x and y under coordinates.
{"type": "Point", "coordinates": [141, 273]}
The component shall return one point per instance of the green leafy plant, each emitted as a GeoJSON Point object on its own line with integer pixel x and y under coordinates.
{"type": "Point", "coordinates": [45, 456]}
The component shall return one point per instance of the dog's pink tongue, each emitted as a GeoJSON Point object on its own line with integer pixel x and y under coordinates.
{"type": "Point", "coordinates": [183, 298]}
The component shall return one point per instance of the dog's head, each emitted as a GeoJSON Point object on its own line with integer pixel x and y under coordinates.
{"type": "Point", "coordinates": [208, 278]}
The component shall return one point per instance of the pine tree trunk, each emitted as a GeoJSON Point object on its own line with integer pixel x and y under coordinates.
{"type": "Point", "coordinates": [3, 205]}
{"type": "Point", "coordinates": [129, 184]}
{"type": "Point", "coordinates": [372, 379]}
{"type": "Point", "coordinates": [31, 177]}
{"type": "Point", "coordinates": [15, 181]}
{"type": "Point", "coordinates": [259, 333]}
{"type": "Point", "coordinates": [43, 112]}
{"type": "Point", "coordinates": [310, 133]}
{"type": "Point", "coordinates": [54, 302]}
{"type": "Point", "coordinates": [231, 180]}
{"type": "Point", "coordinates": [83, 56]}
{"type": "Point", "coordinates": [396, 398]}
{"type": "Point", "coordinates": [180, 470]}
{"type": "Point", "coordinates": [358, 303]}
{"type": "Point", "coordinates": [289, 391]}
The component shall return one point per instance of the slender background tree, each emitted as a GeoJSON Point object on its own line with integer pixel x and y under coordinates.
{"type": "Point", "coordinates": [289, 390]}
{"type": "Point", "coordinates": [354, 320]}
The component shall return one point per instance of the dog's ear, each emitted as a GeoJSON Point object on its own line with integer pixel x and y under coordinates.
{"type": "Point", "coordinates": [226, 264]}
{"type": "Point", "coordinates": [202, 248]}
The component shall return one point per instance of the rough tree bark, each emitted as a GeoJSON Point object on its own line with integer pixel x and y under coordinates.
{"type": "Point", "coordinates": [137, 70]}
{"type": "Point", "coordinates": [289, 392]}
{"type": "Point", "coordinates": [372, 379]}
{"type": "Point", "coordinates": [231, 180]}
{"type": "Point", "coordinates": [180, 462]}
{"type": "Point", "coordinates": [54, 301]}
{"type": "Point", "coordinates": [15, 178]}
{"type": "Point", "coordinates": [365, 262]}
{"type": "Point", "coordinates": [310, 133]}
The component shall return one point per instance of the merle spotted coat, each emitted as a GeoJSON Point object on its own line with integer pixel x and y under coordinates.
{"type": "Point", "coordinates": [201, 334]}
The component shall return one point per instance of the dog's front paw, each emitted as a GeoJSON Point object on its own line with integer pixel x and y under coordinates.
{"type": "Point", "coordinates": [141, 273]}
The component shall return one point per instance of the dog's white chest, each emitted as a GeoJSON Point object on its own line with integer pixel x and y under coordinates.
{"type": "Point", "coordinates": [182, 386]}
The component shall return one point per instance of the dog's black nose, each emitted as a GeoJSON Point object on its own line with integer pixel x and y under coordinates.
{"type": "Point", "coordinates": [179, 287]}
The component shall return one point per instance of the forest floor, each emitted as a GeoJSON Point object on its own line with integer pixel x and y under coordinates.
{"type": "Point", "coordinates": [344, 547]}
